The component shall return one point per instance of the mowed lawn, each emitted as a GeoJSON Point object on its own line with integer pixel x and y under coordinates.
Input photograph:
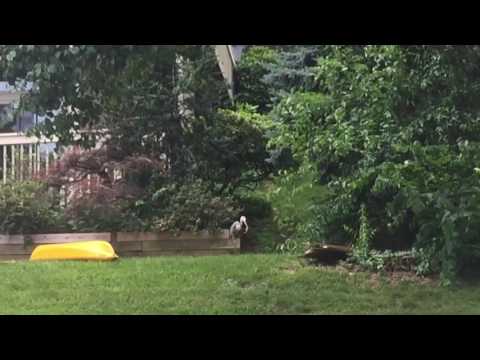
{"type": "Point", "coordinates": [246, 284]}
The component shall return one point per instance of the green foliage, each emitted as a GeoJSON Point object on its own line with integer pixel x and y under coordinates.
{"type": "Point", "coordinates": [292, 195]}
{"type": "Point", "coordinates": [192, 206]}
{"type": "Point", "coordinates": [88, 214]}
{"type": "Point", "coordinates": [293, 118]}
{"type": "Point", "coordinates": [256, 207]}
{"type": "Point", "coordinates": [363, 244]}
{"type": "Point", "coordinates": [251, 71]}
{"type": "Point", "coordinates": [263, 235]}
{"type": "Point", "coordinates": [28, 208]}
{"type": "Point", "coordinates": [280, 212]}
{"type": "Point", "coordinates": [159, 103]}
{"type": "Point", "coordinates": [369, 259]}
{"type": "Point", "coordinates": [31, 208]}
{"type": "Point", "coordinates": [150, 99]}
{"type": "Point", "coordinates": [395, 128]}
{"type": "Point", "coordinates": [233, 150]}
{"type": "Point", "coordinates": [389, 262]}
{"type": "Point", "coordinates": [390, 131]}
{"type": "Point", "coordinates": [95, 87]}
{"type": "Point", "coordinates": [293, 69]}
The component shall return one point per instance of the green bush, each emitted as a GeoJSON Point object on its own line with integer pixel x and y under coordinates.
{"type": "Point", "coordinates": [192, 206]}
{"type": "Point", "coordinates": [388, 262]}
{"type": "Point", "coordinates": [280, 211]}
{"type": "Point", "coordinates": [256, 208]}
{"type": "Point", "coordinates": [29, 208]}
{"type": "Point", "coordinates": [293, 195]}
{"type": "Point", "coordinates": [396, 129]}
{"type": "Point", "coordinates": [232, 152]}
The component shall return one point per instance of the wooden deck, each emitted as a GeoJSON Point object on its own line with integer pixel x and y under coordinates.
{"type": "Point", "coordinates": [22, 157]}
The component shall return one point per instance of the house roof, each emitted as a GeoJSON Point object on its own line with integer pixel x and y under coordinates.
{"type": "Point", "coordinates": [236, 52]}
{"type": "Point", "coordinates": [228, 57]}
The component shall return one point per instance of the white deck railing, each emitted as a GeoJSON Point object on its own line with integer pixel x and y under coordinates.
{"type": "Point", "coordinates": [24, 157]}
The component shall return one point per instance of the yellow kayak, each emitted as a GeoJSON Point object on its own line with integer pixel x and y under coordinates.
{"type": "Point", "coordinates": [89, 250]}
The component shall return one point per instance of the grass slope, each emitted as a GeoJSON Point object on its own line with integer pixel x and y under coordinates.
{"type": "Point", "coordinates": [247, 284]}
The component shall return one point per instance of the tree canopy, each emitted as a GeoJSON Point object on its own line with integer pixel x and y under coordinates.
{"type": "Point", "coordinates": [159, 101]}
{"type": "Point", "coordinates": [393, 132]}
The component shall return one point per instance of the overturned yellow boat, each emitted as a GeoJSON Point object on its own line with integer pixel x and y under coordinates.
{"type": "Point", "coordinates": [88, 250]}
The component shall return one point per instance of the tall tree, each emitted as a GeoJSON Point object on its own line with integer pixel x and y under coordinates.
{"type": "Point", "coordinates": [131, 91]}
{"type": "Point", "coordinates": [155, 101]}
{"type": "Point", "coordinates": [394, 133]}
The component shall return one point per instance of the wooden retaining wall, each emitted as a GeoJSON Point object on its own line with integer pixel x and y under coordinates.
{"type": "Point", "coordinates": [20, 247]}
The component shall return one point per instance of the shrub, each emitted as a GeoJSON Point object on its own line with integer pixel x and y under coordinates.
{"type": "Point", "coordinates": [192, 206]}
{"type": "Point", "coordinates": [99, 211]}
{"type": "Point", "coordinates": [293, 195]}
{"type": "Point", "coordinates": [396, 129]}
{"type": "Point", "coordinates": [363, 243]}
{"type": "Point", "coordinates": [256, 208]}
{"type": "Point", "coordinates": [388, 261]}
{"type": "Point", "coordinates": [233, 151]}
{"type": "Point", "coordinates": [97, 199]}
{"type": "Point", "coordinates": [28, 208]}
{"type": "Point", "coordinates": [280, 212]}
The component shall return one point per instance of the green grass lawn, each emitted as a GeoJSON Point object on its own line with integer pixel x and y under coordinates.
{"type": "Point", "coordinates": [246, 284]}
